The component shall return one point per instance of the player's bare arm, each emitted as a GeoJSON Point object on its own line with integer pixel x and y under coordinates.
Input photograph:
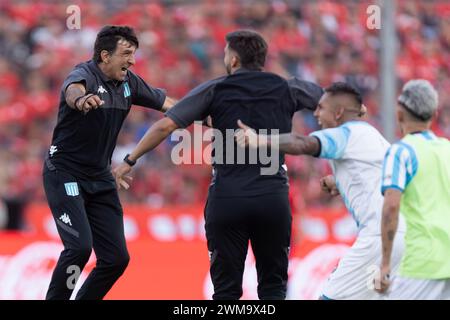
{"type": "Point", "coordinates": [389, 224]}
{"type": "Point", "coordinates": [290, 143]}
{"type": "Point", "coordinates": [293, 143]}
{"type": "Point", "coordinates": [152, 138]}
{"type": "Point", "coordinates": [77, 98]}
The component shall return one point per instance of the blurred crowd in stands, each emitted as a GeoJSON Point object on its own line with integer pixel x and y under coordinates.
{"type": "Point", "coordinates": [181, 45]}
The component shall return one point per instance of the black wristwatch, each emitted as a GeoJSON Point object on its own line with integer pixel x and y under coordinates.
{"type": "Point", "coordinates": [128, 161]}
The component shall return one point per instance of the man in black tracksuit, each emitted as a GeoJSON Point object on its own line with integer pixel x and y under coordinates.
{"type": "Point", "coordinates": [243, 205]}
{"type": "Point", "coordinates": [81, 191]}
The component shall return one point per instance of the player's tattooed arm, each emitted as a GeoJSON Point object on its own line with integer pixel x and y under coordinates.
{"type": "Point", "coordinates": [290, 143]}
{"type": "Point", "coordinates": [389, 222]}
{"type": "Point", "coordinates": [293, 143]}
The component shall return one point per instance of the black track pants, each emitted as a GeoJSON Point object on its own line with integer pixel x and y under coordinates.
{"type": "Point", "coordinates": [88, 215]}
{"type": "Point", "coordinates": [231, 223]}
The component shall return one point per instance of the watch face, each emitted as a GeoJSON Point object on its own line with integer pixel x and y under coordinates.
{"type": "Point", "coordinates": [128, 161]}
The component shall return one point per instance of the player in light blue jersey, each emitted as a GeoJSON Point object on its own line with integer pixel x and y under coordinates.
{"type": "Point", "coordinates": [416, 181]}
{"type": "Point", "coordinates": [356, 151]}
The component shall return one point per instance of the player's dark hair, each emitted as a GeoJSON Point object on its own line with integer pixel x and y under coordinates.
{"type": "Point", "coordinates": [345, 88]}
{"type": "Point", "coordinates": [108, 37]}
{"type": "Point", "coordinates": [250, 46]}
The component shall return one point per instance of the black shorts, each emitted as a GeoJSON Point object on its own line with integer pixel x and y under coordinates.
{"type": "Point", "coordinates": [231, 223]}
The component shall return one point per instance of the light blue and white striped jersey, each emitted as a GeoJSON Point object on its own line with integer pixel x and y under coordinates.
{"type": "Point", "coordinates": [400, 164]}
{"type": "Point", "coordinates": [356, 152]}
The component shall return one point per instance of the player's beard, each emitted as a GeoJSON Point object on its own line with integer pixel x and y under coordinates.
{"type": "Point", "coordinates": [228, 67]}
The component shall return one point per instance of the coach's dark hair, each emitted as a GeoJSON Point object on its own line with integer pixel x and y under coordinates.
{"type": "Point", "coordinates": [345, 88]}
{"type": "Point", "coordinates": [108, 37]}
{"type": "Point", "coordinates": [250, 46]}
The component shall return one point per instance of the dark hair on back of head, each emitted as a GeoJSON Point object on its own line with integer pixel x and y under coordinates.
{"type": "Point", "coordinates": [345, 88]}
{"type": "Point", "coordinates": [108, 37]}
{"type": "Point", "coordinates": [250, 46]}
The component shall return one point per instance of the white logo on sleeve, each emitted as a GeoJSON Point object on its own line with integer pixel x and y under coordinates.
{"type": "Point", "coordinates": [66, 219]}
{"type": "Point", "coordinates": [101, 90]}
{"type": "Point", "coordinates": [52, 150]}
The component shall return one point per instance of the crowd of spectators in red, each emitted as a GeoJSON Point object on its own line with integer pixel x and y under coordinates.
{"type": "Point", "coordinates": [181, 45]}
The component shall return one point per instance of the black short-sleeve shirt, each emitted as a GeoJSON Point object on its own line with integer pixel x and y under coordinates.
{"type": "Point", "coordinates": [83, 143]}
{"type": "Point", "coordinates": [262, 100]}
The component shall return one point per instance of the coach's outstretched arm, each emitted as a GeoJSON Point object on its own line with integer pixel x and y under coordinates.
{"type": "Point", "coordinates": [77, 98]}
{"type": "Point", "coordinates": [290, 143]}
{"type": "Point", "coordinates": [168, 103]}
{"type": "Point", "coordinates": [152, 138]}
